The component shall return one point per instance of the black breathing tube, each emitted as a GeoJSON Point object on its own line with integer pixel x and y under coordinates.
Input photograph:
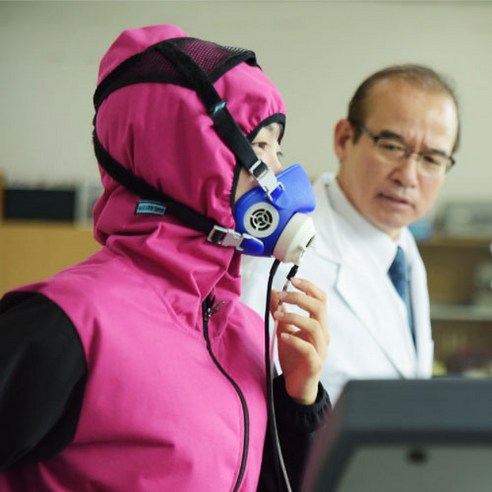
{"type": "Point", "coordinates": [279, 464]}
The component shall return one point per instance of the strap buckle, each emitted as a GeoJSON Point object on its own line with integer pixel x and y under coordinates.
{"type": "Point", "coordinates": [226, 237]}
{"type": "Point", "coordinates": [266, 179]}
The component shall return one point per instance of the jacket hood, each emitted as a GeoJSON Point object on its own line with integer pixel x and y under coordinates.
{"type": "Point", "coordinates": [162, 133]}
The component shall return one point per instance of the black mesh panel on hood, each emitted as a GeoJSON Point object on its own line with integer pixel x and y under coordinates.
{"type": "Point", "coordinates": [156, 64]}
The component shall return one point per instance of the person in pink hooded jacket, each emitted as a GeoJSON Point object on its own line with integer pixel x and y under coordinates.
{"type": "Point", "coordinates": [140, 369]}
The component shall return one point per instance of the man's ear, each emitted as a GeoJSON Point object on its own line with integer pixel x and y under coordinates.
{"type": "Point", "coordinates": [343, 135]}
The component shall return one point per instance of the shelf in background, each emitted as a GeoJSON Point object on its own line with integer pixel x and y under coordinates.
{"type": "Point", "coordinates": [451, 265]}
{"type": "Point", "coordinates": [461, 312]}
{"type": "Point", "coordinates": [461, 328]}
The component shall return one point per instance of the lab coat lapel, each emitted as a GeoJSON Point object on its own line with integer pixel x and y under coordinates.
{"type": "Point", "coordinates": [379, 313]}
{"type": "Point", "coordinates": [376, 306]}
{"type": "Point", "coordinates": [421, 310]}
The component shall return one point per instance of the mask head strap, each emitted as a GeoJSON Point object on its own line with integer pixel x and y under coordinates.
{"type": "Point", "coordinates": [213, 230]}
{"type": "Point", "coordinates": [225, 125]}
{"type": "Point", "coordinates": [166, 62]}
{"type": "Point", "coordinates": [177, 57]}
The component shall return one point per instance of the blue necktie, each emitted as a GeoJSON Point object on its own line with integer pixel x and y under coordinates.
{"type": "Point", "coordinates": [398, 273]}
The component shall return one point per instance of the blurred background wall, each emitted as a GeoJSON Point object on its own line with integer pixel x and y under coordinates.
{"type": "Point", "coordinates": [316, 51]}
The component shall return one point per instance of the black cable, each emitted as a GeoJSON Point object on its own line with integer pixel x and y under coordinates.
{"type": "Point", "coordinates": [279, 465]}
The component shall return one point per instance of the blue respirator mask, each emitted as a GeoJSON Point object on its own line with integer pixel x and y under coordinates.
{"type": "Point", "coordinates": [277, 223]}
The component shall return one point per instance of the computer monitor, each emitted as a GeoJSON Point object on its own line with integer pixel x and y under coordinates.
{"type": "Point", "coordinates": [406, 436]}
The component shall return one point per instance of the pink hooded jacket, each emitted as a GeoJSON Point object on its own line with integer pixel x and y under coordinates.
{"type": "Point", "coordinates": [171, 402]}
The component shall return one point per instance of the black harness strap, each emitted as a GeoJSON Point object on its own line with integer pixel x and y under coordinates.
{"type": "Point", "coordinates": [181, 69]}
{"type": "Point", "coordinates": [144, 190]}
{"type": "Point", "coordinates": [225, 125]}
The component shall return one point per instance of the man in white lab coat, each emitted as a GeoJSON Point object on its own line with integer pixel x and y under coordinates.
{"type": "Point", "coordinates": [394, 150]}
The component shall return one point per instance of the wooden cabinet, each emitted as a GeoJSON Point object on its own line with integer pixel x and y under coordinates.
{"type": "Point", "coordinates": [34, 251]}
{"type": "Point", "coordinates": [462, 326]}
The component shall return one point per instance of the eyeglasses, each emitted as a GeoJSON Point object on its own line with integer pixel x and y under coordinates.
{"type": "Point", "coordinates": [430, 163]}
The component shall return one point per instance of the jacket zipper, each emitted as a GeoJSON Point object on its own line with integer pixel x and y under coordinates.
{"type": "Point", "coordinates": [208, 310]}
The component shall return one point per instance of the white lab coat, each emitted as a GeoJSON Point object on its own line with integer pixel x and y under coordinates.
{"type": "Point", "coordinates": [368, 324]}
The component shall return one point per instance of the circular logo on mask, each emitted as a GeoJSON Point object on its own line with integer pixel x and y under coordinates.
{"type": "Point", "coordinates": [261, 220]}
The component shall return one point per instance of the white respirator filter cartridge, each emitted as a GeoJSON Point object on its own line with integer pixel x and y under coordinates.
{"type": "Point", "coordinates": [295, 239]}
